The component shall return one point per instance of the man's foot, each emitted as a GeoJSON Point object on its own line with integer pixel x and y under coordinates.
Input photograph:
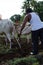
{"type": "Point", "coordinates": [31, 53]}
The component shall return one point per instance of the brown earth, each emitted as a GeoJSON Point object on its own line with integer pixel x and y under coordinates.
{"type": "Point", "coordinates": [16, 51]}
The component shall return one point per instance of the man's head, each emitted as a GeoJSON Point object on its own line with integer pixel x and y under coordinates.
{"type": "Point", "coordinates": [29, 10]}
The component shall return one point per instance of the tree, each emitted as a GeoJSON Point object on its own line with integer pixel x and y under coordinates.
{"type": "Point", "coordinates": [15, 17]}
{"type": "Point", "coordinates": [26, 4]}
{"type": "Point", "coordinates": [36, 6]}
{"type": "Point", "coordinates": [40, 10]}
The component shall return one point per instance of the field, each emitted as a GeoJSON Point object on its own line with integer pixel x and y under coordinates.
{"type": "Point", "coordinates": [17, 56]}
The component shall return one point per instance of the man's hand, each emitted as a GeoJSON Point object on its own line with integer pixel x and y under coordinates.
{"type": "Point", "coordinates": [19, 34]}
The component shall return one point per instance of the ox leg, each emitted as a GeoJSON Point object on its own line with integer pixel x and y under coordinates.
{"type": "Point", "coordinates": [16, 39]}
{"type": "Point", "coordinates": [6, 40]}
{"type": "Point", "coordinates": [9, 38]}
{"type": "Point", "coordinates": [13, 35]}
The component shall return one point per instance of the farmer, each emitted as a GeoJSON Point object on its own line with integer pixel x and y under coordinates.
{"type": "Point", "coordinates": [36, 29]}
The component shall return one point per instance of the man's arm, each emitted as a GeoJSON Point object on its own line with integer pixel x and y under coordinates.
{"type": "Point", "coordinates": [26, 19]}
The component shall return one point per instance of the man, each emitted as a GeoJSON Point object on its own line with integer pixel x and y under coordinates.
{"type": "Point", "coordinates": [36, 28]}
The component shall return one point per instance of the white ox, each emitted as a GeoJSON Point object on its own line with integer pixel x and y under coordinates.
{"type": "Point", "coordinates": [7, 27]}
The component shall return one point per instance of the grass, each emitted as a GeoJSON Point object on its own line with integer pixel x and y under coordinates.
{"type": "Point", "coordinates": [30, 60]}
{"type": "Point", "coordinates": [3, 48]}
